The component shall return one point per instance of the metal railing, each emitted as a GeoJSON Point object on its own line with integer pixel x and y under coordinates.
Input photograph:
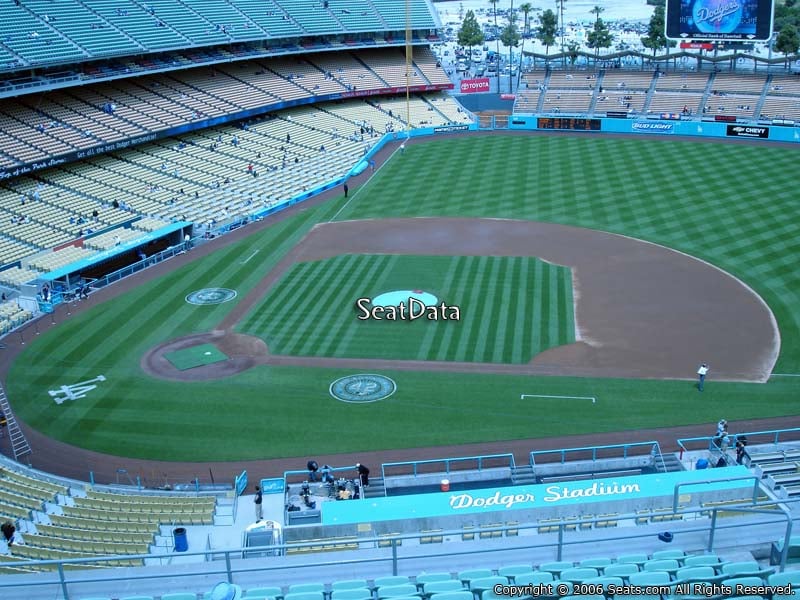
{"type": "Point", "coordinates": [445, 466]}
{"type": "Point", "coordinates": [594, 453]}
{"type": "Point", "coordinates": [395, 554]}
{"type": "Point", "coordinates": [774, 436]}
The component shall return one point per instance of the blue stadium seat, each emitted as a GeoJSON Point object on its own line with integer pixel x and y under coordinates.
{"type": "Point", "coordinates": [750, 581]}
{"type": "Point", "coordinates": [699, 560]}
{"type": "Point", "coordinates": [670, 565]}
{"type": "Point", "coordinates": [470, 574]}
{"type": "Point", "coordinates": [621, 570]}
{"type": "Point", "coordinates": [578, 574]}
{"type": "Point", "coordinates": [599, 562]}
{"type": "Point", "coordinates": [605, 581]}
{"type": "Point", "coordinates": [352, 594]}
{"type": "Point", "coordinates": [397, 591]}
{"type": "Point", "coordinates": [787, 577]}
{"type": "Point", "coordinates": [305, 596]}
{"type": "Point", "coordinates": [424, 578]}
{"type": "Point", "coordinates": [481, 584]}
{"type": "Point", "coordinates": [390, 580]}
{"type": "Point", "coordinates": [511, 571]}
{"type": "Point", "coordinates": [645, 578]}
{"type": "Point", "coordinates": [437, 587]}
{"type": "Point", "coordinates": [748, 568]}
{"type": "Point", "coordinates": [534, 578]}
{"type": "Point", "coordinates": [700, 573]}
{"type": "Point", "coordinates": [306, 587]}
{"type": "Point", "coordinates": [349, 584]}
{"type": "Point", "coordinates": [270, 591]}
{"type": "Point", "coordinates": [464, 595]}
{"type": "Point", "coordinates": [490, 595]}
{"type": "Point", "coordinates": [556, 567]}
{"type": "Point", "coordinates": [179, 596]}
{"type": "Point", "coordinates": [637, 559]}
{"type": "Point", "coordinates": [672, 553]}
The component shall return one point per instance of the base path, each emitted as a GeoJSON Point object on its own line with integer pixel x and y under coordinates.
{"type": "Point", "coordinates": [641, 310]}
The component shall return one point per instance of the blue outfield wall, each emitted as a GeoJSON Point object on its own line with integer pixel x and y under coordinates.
{"type": "Point", "coordinates": [707, 129]}
{"type": "Point", "coordinates": [542, 496]}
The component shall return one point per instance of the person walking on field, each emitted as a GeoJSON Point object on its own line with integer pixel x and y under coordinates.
{"type": "Point", "coordinates": [346, 190]}
{"type": "Point", "coordinates": [701, 375]}
{"type": "Point", "coordinates": [258, 500]}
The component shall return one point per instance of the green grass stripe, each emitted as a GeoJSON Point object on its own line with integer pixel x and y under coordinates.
{"type": "Point", "coordinates": [311, 300]}
{"type": "Point", "coordinates": [262, 318]}
{"type": "Point", "coordinates": [468, 330]}
{"type": "Point", "coordinates": [532, 323]}
{"type": "Point", "coordinates": [444, 341]}
{"type": "Point", "coordinates": [519, 308]}
{"type": "Point", "coordinates": [427, 351]}
{"type": "Point", "coordinates": [487, 333]}
{"type": "Point", "coordinates": [331, 299]}
{"type": "Point", "coordinates": [342, 335]}
{"type": "Point", "coordinates": [503, 333]}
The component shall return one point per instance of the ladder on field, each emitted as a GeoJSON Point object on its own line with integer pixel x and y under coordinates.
{"type": "Point", "coordinates": [19, 443]}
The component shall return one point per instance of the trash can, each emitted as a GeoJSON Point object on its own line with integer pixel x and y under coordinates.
{"type": "Point", "coordinates": [445, 485]}
{"type": "Point", "coordinates": [701, 463]}
{"type": "Point", "coordinates": [181, 541]}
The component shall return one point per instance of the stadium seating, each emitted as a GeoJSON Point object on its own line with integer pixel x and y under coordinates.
{"type": "Point", "coordinates": [159, 182]}
{"type": "Point", "coordinates": [42, 125]}
{"type": "Point", "coordinates": [394, 14]}
{"type": "Point", "coordinates": [12, 316]}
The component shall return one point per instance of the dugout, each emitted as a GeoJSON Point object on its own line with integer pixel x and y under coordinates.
{"type": "Point", "coordinates": [107, 266]}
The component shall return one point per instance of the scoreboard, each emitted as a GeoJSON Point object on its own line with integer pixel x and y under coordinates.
{"type": "Point", "coordinates": [719, 20]}
{"type": "Point", "coordinates": [568, 123]}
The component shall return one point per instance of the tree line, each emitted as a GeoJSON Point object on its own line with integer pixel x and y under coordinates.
{"type": "Point", "coordinates": [787, 24]}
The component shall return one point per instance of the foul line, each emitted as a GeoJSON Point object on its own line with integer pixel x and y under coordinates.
{"type": "Point", "coordinates": [785, 375]}
{"type": "Point", "coordinates": [592, 398]}
{"type": "Point", "coordinates": [244, 262]}
{"type": "Point", "coordinates": [333, 218]}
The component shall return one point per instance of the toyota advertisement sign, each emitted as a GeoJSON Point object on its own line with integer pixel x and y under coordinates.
{"type": "Point", "coordinates": [472, 86]}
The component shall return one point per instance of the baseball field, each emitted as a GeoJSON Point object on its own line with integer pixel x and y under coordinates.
{"type": "Point", "coordinates": [582, 268]}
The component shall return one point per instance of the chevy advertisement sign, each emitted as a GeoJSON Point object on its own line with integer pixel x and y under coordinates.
{"type": "Point", "coordinates": [750, 131]}
{"type": "Point", "coordinates": [473, 86]}
{"type": "Point", "coordinates": [653, 127]}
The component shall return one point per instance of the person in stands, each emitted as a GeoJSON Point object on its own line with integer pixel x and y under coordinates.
{"type": "Point", "coordinates": [363, 474]}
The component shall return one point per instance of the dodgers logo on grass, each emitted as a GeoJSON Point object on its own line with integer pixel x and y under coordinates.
{"type": "Point", "coordinates": [211, 296]}
{"type": "Point", "coordinates": [362, 388]}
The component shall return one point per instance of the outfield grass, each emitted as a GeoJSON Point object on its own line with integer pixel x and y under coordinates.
{"type": "Point", "coordinates": [732, 205]}
{"type": "Point", "coordinates": [511, 309]}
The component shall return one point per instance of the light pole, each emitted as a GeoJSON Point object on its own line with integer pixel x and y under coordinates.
{"type": "Point", "coordinates": [560, 6]}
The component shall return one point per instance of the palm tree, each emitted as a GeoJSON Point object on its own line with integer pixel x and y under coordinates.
{"type": "Point", "coordinates": [497, 38]}
{"type": "Point", "coordinates": [526, 9]}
